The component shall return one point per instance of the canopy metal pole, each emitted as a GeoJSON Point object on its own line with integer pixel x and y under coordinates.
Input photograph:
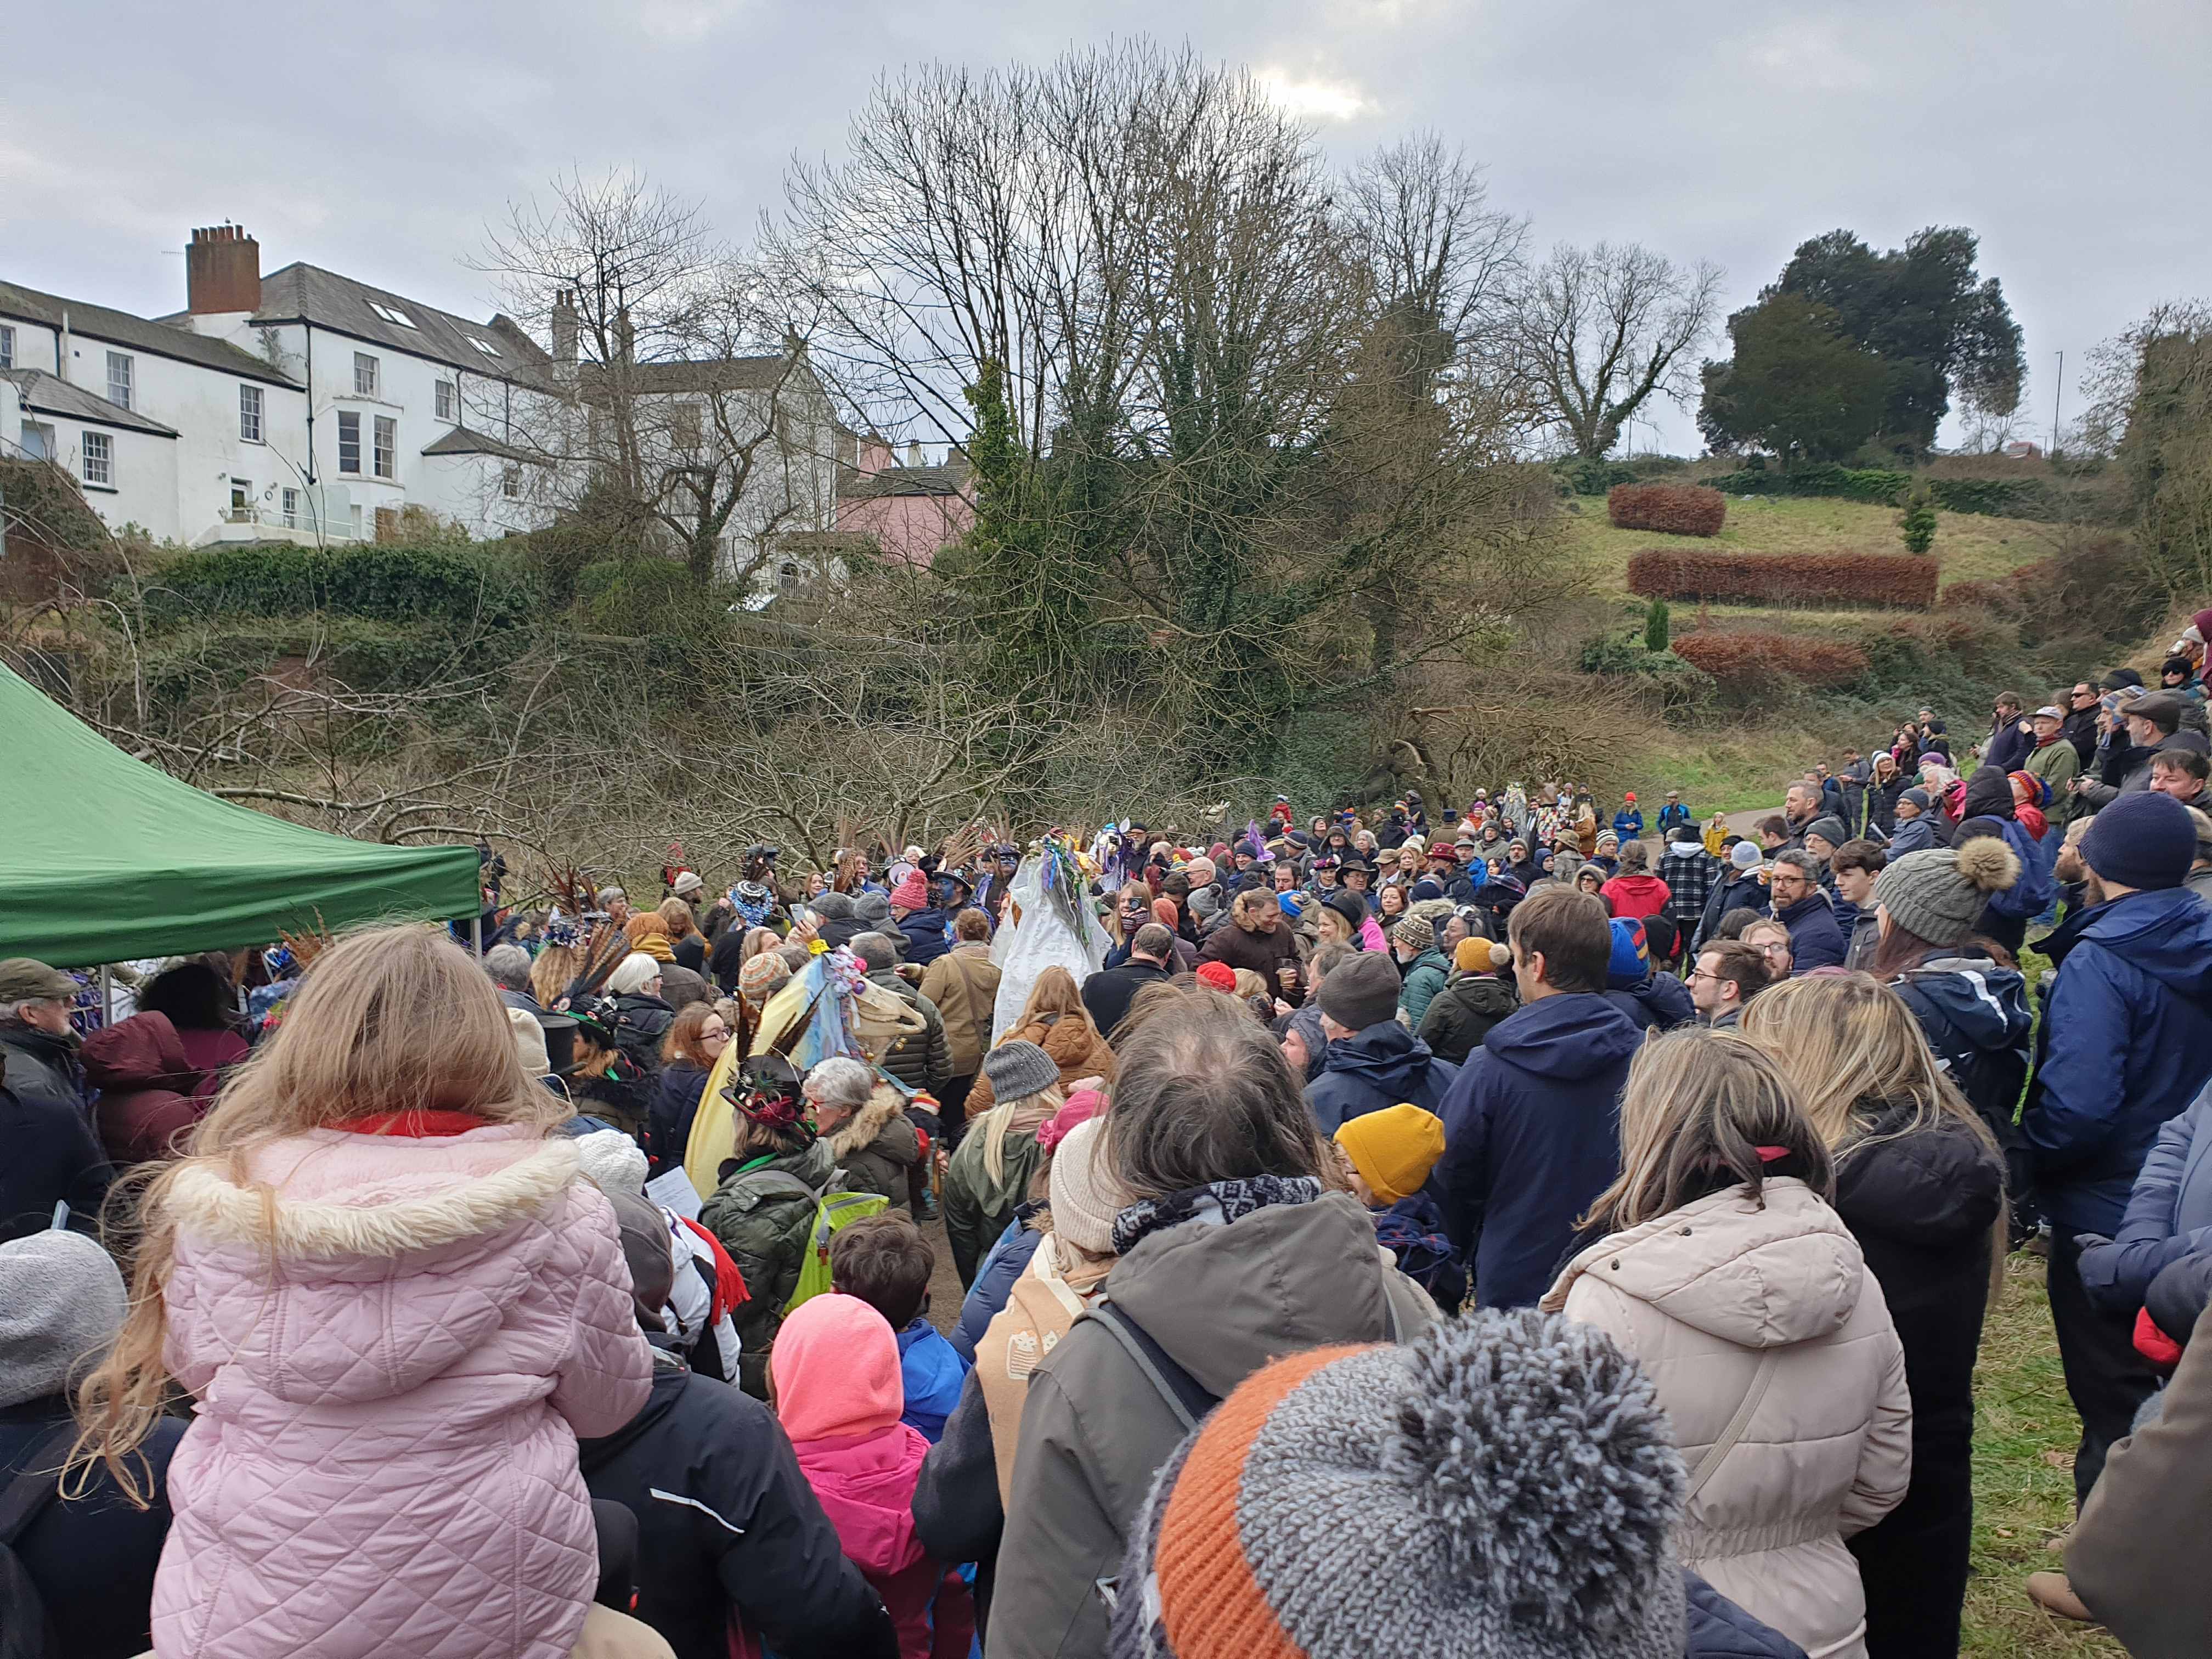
{"type": "Point", "coordinates": [106, 995]}
{"type": "Point", "coordinates": [476, 932]}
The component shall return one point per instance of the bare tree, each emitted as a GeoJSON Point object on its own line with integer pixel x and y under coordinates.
{"type": "Point", "coordinates": [1595, 333]}
{"type": "Point", "coordinates": [1442, 259]}
{"type": "Point", "coordinates": [679, 406]}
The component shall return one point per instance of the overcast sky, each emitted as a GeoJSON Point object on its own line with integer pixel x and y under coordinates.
{"type": "Point", "coordinates": [377, 140]}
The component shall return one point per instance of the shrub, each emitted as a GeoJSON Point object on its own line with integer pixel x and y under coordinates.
{"type": "Point", "coordinates": [440, 587]}
{"type": "Point", "coordinates": [1917, 523]}
{"type": "Point", "coordinates": [1884, 486]}
{"type": "Point", "coordinates": [637, 596]}
{"type": "Point", "coordinates": [1750, 662]}
{"type": "Point", "coordinates": [1674, 509]}
{"type": "Point", "coordinates": [1585, 476]}
{"type": "Point", "coordinates": [1655, 626]}
{"type": "Point", "coordinates": [1843, 579]}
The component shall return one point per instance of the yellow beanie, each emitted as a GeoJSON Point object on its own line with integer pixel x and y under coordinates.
{"type": "Point", "coordinates": [1480, 955]}
{"type": "Point", "coordinates": [1394, 1149]}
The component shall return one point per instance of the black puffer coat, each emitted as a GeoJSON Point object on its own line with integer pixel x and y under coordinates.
{"type": "Point", "coordinates": [728, 1525]}
{"type": "Point", "coordinates": [1924, 1207]}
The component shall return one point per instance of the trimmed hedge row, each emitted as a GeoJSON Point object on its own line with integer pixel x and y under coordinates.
{"type": "Point", "coordinates": [434, 587]}
{"type": "Point", "coordinates": [1843, 579]}
{"type": "Point", "coordinates": [1879, 486]}
{"type": "Point", "coordinates": [1673, 509]}
{"type": "Point", "coordinates": [1746, 661]}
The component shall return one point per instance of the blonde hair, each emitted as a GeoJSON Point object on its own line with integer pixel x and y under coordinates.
{"type": "Point", "coordinates": [676, 916]}
{"type": "Point", "coordinates": [1854, 1051]}
{"type": "Point", "coordinates": [554, 972]}
{"type": "Point", "coordinates": [1698, 1107]}
{"type": "Point", "coordinates": [388, 1021]}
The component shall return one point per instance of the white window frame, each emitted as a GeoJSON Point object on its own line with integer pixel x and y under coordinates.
{"type": "Point", "coordinates": [367, 374]}
{"type": "Point", "coordinates": [510, 481]}
{"type": "Point", "coordinates": [383, 447]}
{"type": "Point", "coordinates": [449, 401]}
{"type": "Point", "coordinates": [484, 346]}
{"type": "Point", "coordinates": [347, 418]}
{"type": "Point", "coordinates": [291, 504]}
{"type": "Point", "coordinates": [100, 473]}
{"type": "Point", "coordinates": [252, 407]}
{"type": "Point", "coordinates": [391, 313]}
{"type": "Point", "coordinates": [242, 498]}
{"type": "Point", "coordinates": [122, 374]}
{"type": "Point", "coordinates": [7, 345]}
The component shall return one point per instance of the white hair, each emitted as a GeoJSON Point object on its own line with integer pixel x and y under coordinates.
{"type": "Point", "coordinates": [841, 1081]}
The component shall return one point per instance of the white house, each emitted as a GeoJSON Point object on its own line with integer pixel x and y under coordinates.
{"type": "Point", "coordinates": [308, 406]}
{"type": "Point", "coordinates": [167, 430]}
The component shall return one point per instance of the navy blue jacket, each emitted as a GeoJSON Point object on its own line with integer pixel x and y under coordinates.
{"type": "Point", "coordinates": [1974, 1015]}
{"type": "Point", "coordinates": [1718, 1629]}
{"type": "Point", "coordinates": [92, 1557]}
{"type": "Point", "coordinates": [1531, 1134]}
{"type": "Point", "coordinates": [1382, 1066]}
{"type": "Point", "coordinates": [2126, 1043]}
{"type": "Point", "coordinates": [1003, 1263]}
{"type": "Point", "coordinates": [1657, 1000]}
{"type": "Point", "coordinates": [928, 936]}
{"type": "Point", "coordinates": [1730, 892]}
{"type": "Point", "coordinates": [1815, 938]}
{"type": "Point", "coordinates": [2009, 747]}
{"type": "Point", "coordinates": [676, 1094]}
{"type": "Point", "coordinates": [2169, 1215]}
{"type": "Point", "coordinates": [1915, 834]}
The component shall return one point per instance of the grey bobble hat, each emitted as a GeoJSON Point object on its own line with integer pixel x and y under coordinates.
{"type": "Point", "coordinates": [61, 1302]}
{"type": "Point", "coordinates": [1514, 1484]}
{"type": "Point", "coordinates": [1746, 856]}
{"type": "Point", "coordinates": [1361, 992]}
{"type": "Point", "coordinates": [1830, 829]}
{"type": "Point", "coordinates": [1937, 893]}
{"type": "Point", "coordinates": [1019, 1069]}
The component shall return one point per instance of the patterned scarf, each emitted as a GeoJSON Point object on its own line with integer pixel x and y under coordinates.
{"type": "Point", "coordinates": [1214, 1205]}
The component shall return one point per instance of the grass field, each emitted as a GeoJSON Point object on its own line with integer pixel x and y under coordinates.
{"type": "Point", "coordinates": [2024, 1435]}
{"type": "Point", "coordinates": [1971, 547]}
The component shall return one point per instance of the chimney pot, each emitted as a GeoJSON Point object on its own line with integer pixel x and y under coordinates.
{"type": "Point", "coordinates": [913, 452]}
{"type": "Point", "coordinates": [222, 271]}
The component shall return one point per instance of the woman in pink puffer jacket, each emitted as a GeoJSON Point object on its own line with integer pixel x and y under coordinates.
{"type": "Point", "coordinates": [396, 1307]}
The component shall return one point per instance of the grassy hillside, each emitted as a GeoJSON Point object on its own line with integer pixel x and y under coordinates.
{"type": "Point", "coordinates": [1970, 547]}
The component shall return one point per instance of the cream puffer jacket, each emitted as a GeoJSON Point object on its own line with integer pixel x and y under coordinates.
{"type": "Point", "coordinates": [1700, 1296]}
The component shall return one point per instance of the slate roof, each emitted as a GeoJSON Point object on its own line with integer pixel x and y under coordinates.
{"type": "Point", "coordinates": [706, 376]}
{"type": "Point", "coordinates": [44, 395]}
{"type": "Point", "coordinates": [161, 338]}
{"type": "Point", "coordinates": [308, 293]}
{"type": "Point", "coordinates": [903, 481]}
{"type": "Point", "coordinates": [463, 440]}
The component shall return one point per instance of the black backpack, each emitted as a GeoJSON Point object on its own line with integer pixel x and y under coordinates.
{"type": "Point", "coordinates": [25, 1630]}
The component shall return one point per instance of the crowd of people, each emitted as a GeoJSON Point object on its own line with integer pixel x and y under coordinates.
{"type": "Point", "coordinates": [1502, 1232]}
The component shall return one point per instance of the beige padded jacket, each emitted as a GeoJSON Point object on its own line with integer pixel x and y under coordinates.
{"type": "Point", "coordinates": [1701, 1296]}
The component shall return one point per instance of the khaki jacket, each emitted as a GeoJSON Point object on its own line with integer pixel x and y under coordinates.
{"type": "Point", "coordinates": [964, 983]}
{"type": "Point", "coordinates": [1223, 1301]}
{"type": "Point", "coordinates": [1703, 1297]}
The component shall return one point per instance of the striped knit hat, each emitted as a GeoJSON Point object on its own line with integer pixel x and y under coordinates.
{"type": "Point", "coordinates": [1502, 1488]}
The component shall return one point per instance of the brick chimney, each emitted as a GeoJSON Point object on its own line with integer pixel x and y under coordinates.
{"type": "Point", "coordinates": [222, 271]}
{"type": "Point", "coordinates": [564, 330]}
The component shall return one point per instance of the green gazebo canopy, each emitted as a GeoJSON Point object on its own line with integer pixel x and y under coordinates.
{"type": "Point", "coordinates": [106, 859]}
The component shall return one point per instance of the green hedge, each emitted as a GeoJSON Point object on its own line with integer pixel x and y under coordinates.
{"type": "Point", "coordinates": [2003, 498]}
{"type": "Point", "coordinates": [439, 587]}
{"type": "Point", "coordinates": [1582, 476]}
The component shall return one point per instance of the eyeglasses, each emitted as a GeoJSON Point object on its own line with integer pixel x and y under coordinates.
{"type": "Point", "coordinates": [714, 1033]}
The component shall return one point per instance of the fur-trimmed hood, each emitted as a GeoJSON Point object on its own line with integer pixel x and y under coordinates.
{"type": "Point", "coordinates": [860, 1131]}
{"type": "Point", "coordinates": [328, 1195]}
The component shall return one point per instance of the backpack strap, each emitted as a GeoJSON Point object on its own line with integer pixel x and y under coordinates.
{"type": "Point", "coordinates": [27, 1496]}
{"type": "Point", "coordinates": [1185, 1396]}
{"type": "Point", "coordinates": [1717, 1454]}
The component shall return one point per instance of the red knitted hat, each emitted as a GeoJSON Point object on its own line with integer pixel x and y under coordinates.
{"type": "Point", "coordinates": [913, 893]}
{"type": "Point", "coordinates": [1218, 975]}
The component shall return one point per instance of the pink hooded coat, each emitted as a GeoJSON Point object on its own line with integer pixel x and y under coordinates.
{"type": "Point", "coordinates": [839, 1392]}
{"type": "Point", "coordinates": [393, 1356]}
